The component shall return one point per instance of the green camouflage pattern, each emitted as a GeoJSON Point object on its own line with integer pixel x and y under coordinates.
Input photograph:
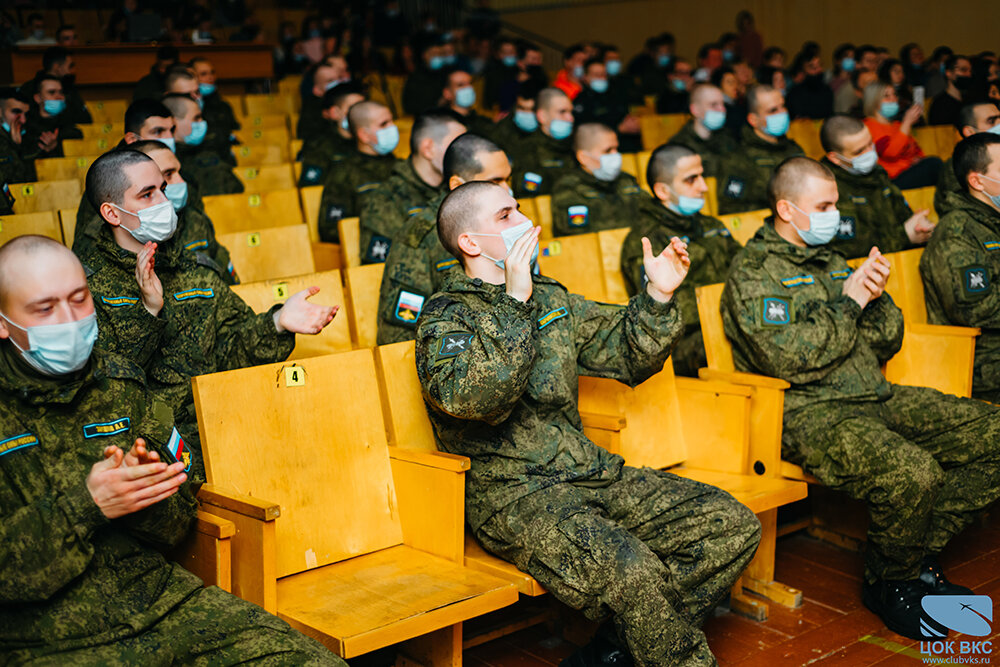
{"type": "Point", "coordinates": [17, 162]}
{"type": "Point", "coordinates": [744, 174]}
{"type": "Point", "coordinates": [872, 213]}
{"type": "Point", "coordinates": [344, 186]}
{"type": "Point", "coordinates": [713, 150]}
{"type": "Point", "coordinates": [213, 175]}
{"type": "Point", "coordinates": [513, 141]}
{"type": "Point", "coordinates": [320, 152]}
{"type": "Point", "coordinates": [541, 163]}
{"type": "Point", "coordinates": [947, 183]}
{"type": "Point", "coordinates": [386, 209]}
{"type": "Point", "coordinates": [221, 125]}
{"type": "Point", "coordinates": [582, 203]}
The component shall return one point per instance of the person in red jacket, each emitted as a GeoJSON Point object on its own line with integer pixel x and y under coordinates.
{"type": "Point", "coordinates": [891, 128]}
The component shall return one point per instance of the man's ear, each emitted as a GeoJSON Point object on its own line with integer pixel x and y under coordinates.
{"type": "Point", "coordinates": [834, 158]}
{"type": "Point", "coordinates": [328, 113]}
{"type": "Point", "coordinates": [4, 332]}
{"type": "Point", "coordinates": [975, 181]}
{"type": "Point", "coordinates": [454, 181]}
{"type": "Point", "coordinates": [131, 137]}
{"type": "Point", "coordinates": [783, 210]}
{"type": "Point", "coordinates": [426, 149]}
{"type": "Point", "coordinates": [110, 214]}
{"type": "Point", "coordinates": [753, 121]}
{"type": "Point", "coordinates": [661, 191]}
{"type": "Point", "coordinates": [468, 245]}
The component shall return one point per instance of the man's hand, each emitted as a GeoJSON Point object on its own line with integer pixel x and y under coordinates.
{"type": "Point", "coordinates": [517, 265]}
{"type": "Point", "coordinates": [120, 489]}
{"type": "Point", "coordinates": [139, 454]}
{"type": "Point", "coordinates": [300, 316]}
{"type": "Point", "coordinates": [149, 282]}
{"type": "Point", "coordinates": [47, 141]}
{"type": "Point", "coordinates": [919, 228]}
{"type": "Point", "coordinates": [867, 283]}
{"type": "Point", "coordinates": [665, 272]}
{"type": "Point", "coordinates": [629, 125]}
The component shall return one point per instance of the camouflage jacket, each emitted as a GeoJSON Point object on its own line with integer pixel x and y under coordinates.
{"type": "Point", "coordinates": [713, 150]}
{"type": "Point", "coordinates": [344, 186]}
{"type": "Point", "coordinates": [204, 327]}
{"type": "Point", "coordinates": [320, 152]}
{"type": "Point", "coordinates": [15, 167]}
{"type": "Point", "coordinates": [784, 312]}
{"type": "Point", "coordinates": [710, 245]}
{"type": "Point", "coordinates": [414, 270]}
{"type": "Point", "coordinates": [872, 213]}
{"type": "Point", "coordinates": [544, 160]}
{"type": "Point", "coordinates": [385, 210]}
{"type": "Point", "coordinates": [513, 140]}
{"type": "Point", "coordinates": [582, 203]}
{"type": "Point", "coordinates": [213, 175]}
{"type": "Point", "coordinates": [959, 268]}
{"type": "Point", "coordinates": [500, 380]}
{"type": "Point", "coordinates": [947, 182]}
{"type": "Point", "coordinates": [70, 573]}
{"type": "Point", "coordinates": [221, 125]}
{"type": "Point", "coordinates": [743, 175]}
{"type": "Point", "coordinates": [35, 124]}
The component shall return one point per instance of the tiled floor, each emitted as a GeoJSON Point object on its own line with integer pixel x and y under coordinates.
{"type": "Point", "coordinates": [830, 628]}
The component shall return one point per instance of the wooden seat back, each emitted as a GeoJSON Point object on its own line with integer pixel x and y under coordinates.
{"type": "Point", "coordinates": [108, 111]}
{"type": "Point", "coordinates": [268, 105]}
{"type": "Point", "coordinates": [543, 211]}
{"type": "Point", "coordinates": [265, 135]}
{"type": "Point", "coordinates": [362, 283]}
{"type": "Point", "coordinates": [84, 147]}
{"type": "Point", "coordinates": [254, 155]}
{"type": "Point", "coordinates": [262, 121]}
{"type": "Point", "coordinates": [744, 225]}
{"type": "Point", "coordinates": [42, 223]}
{"type": "Point", "coordinates": [270, 252]}
{"type": "Point", "coordinates": [407, 423]}
{"type": "Point", "coordinates": [611, 241]}
{"type": "Point", "coordinates": [64, 168]}
{"type": "Point", "coordinates": [349, 230]}
{"type": "Point", "coordinates": [46, 195]}
{"type": "Point", "coordinates": [67, 220]}
{"type": "Point", "coordinates": [310, 197]}
{"type": "Point", "coordinates": [576, 262]}
{"type": "Point", "coordinates": [106, 130]}
{"type": "Point", "coordinates": [264, 178]}
{"type": "Point", "coordinates": [246, 212]}
{"type": "Point", "coordinates": [657, 129]}
{"type": "Point", "coordinates": [920, 199]}
{"type": "Point", "coordinates": [712, 196]}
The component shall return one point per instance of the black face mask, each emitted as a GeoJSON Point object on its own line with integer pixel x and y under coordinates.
{"type": "Point", "coordinates": [814, 81]}
{"type": "Point", "coordinates": [963, 83]}
{"type": "Point", "coordinates": [535, 71]}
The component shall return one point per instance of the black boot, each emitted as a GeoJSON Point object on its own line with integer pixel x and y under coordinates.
{"type": "Point", "coordinates": [933, 577]}
{"type": "Point", "coordinates": [897, 603]}
{"type": "Point", "coordinates": [599, 652]}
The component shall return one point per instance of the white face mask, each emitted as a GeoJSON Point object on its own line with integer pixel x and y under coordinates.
{"type": "Point", "coordinates": [58, 349]}
{"type": "Point", "coordinates": [510, 237]}
{"type": "Point", "coordinates": [156, 223]}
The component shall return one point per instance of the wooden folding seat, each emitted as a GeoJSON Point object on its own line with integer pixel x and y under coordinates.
{"type": "Point", "coordinates": [108, 111]}
{"type": "Point", "coordinates": [630, 165]}
{"type": "Point", "coordinates": [262, 121]}
{"type": "Point", "coordinates": [805, 132]}
{"type": "Point", "coordinates": [67, 221]}
{"type": "Point", "coordinates": [610, 242]}
{"type": "Point", "coordinates": [310, 198]}
{"type": "Point", "coordinates": [43, 223]}
{"type": "Point", "coordinates": [576, 262]}
{"type": "Point", "coordinates": [529, 207]}
{"type": "Point", "coordinates": [336, 337]}
{"type": "Point", "coordinates": [46, 195]}
{"type": "Point", "coordinates": [922, 198]}
{"type": "Point", "coordinates": [712, 196]}
{"type": "Point", "coordinates": [270, 252]}
{"type": "Point", "coordinates": [265, 178]}
{"type": "Point", "coordinates": [289, 85]}
{"type": "Point", "coordinates": [362, 286]}
{"type": "Point", "coordinates": [236, 103]}
{"type": "Point", "coordinates": [743, 226]}
{"type": "Point", "coordinates": [245, 212]}
{"type": "Point", "coordinates": [294, 148]}
{"type": "Point", "coordinates": [349, 230]}
{"type": "Point", "coordinates": [543, 212]}
{"type": "Point", "coordinates": [112, 131]}
{"type": "Point", "coordinates": [256, 135]}
{"type": "Point", "coordinates": [352, 542]}
{"type": "Point", "coordinates": [641, 163]}
{"type": "Point", "coordinates": [268, 105]}
{"type": "Point", "coordinates": [207, 551]}
{"type": "Point", "coordinates": [947, 138]}
{"type": "Point", "coordinates": [253, 155]}
{"type": "Point", "coordinates": [85, 147]}
{"type": "Point", "coordinates": [64, 168]}
{"type": "Point", "coordinates": [657, 129]}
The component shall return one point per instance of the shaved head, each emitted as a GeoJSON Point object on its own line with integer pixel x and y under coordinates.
{"type": "Point", "coordinates": [704, 93]}
{"type": "Point", "coordinates": [662, 165]}
{"type": "Point", "coordinates": [363, 114]}
{"type": "Point", "coordinates": [462, 211]}
{"type": "Point", "coordinates": [793, 178]}
{"type": "Point", "coordinates": [547, 96]}
{"type": "Point", "coordinates": [179, 105]}
{"type": "Point", "coordinates": [30, 258]}
{"type": "Point", "coordinates": [589, 135]}
{"type": "Point", "coordinates": [836, 128]}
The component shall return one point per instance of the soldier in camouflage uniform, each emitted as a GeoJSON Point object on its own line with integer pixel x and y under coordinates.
{"type": "Point", "coordinates": [41, 122]}
{"type": "Point", "coordinates": [499, 353]}
{"type": "Point", "coordinates": [873, 211]}
{"type": "Point", "coordinates": [548, 152]}
{"type": "Point", "coordinates": [973, 118]}
{"type": "Point", "coordinates": [213, 175]}
{"type": "Point", "coordinates": [961, 264]}
{"type": "Point", "coordinates": [714, 143]}
{"type": "Point", "coordinates": [331, 142]}
{"type": "Point", "coordinates": [743, 176]}
{"type": "Point", "coordinates": [180, 319]}
{"type": "Point", "coordinates": [596, 194]}
{"type": "Point", "coordinates": [182, 80]}
{"type": "Point", "coordinates": [511, 134]}
{"type": "Point", "coordinates": [370, 163]}
{"type": "Point", "coordinates": [311, 116]}
{"type": "Point", "coordinates": [17, 156]}
{"type": "Point", "coordinates": [417, 262]}
{"type": "Point", "coordinates": [92, 483]}
{"type": "Point", "coordinates": [413, 182]}
{"type": "Point", "coordinates": [459, 97]}
{"type": "Point", "coordinates": [924, 462]}
{"type": "Point", "coordinates": [219, 114]}
{"type": "Point", "coordinates": [675, 210]}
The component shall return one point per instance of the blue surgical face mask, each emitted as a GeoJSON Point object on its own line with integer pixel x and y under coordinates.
{"type": "Point", "coordinates": [436, 62]}
{"type": "Point", "coordinates": [777, 124]}
{"type": "Point", "coordinates": [510, 237]}
{"type": "Point", "coordinates": [993, 198]}
{"type": "Point", "coordinates": [599, 85]}
{"type": "Point", "coordinates": [822, 226]}
{"type": "Point", "coordinates": [611, 166]}
{"type": "Point", "coordinates": [465, 97]}
{"type": "Point", "coordinates": [170, 143]}
{"type": "Point", "coordinates": [450, 59]}
{"type": "Point", "coordinates": [345, 125]}
{"type": "Point", "coordinates": [54, 107]}
{"type": "Point", "coordinates": [663, 59]}
{"type": "Point", "coordinates": [199, 129]}
{"type": "Point", "coordinates": [6, 128]}
{"type": "Point", "coordinates": [685, 205]}
{"type": "Point", "coordinates": [679, 85]}
{"type": "Point", "coordinates": [714, 119]}
{"type": "Point", "coordinates": [58, 349]}
{"type": "Point", "coordinates": [201, 103]}
{"type": "Point", "coordinates": [527, 121]}
{"type": "Point", "coordinates": [848, 64]}
{"type": "Point", "coordinates": [177, 193]}
{"type": "Point", "coordinates": [509, 61]}
{"type": "Point", "coordinates": [993, 130]}
{"type": "Point", "coordinates": [614, 67]}
{"type": "Point", "coordinates": [862, 164]}
{"type": "Point", "coordinates": [560, 129]}
{"type": "Point", "coordinates": [889, 109]}
{"type": "Point", "coordinates": [206, 88]}
{"type": "Point", "coordinates": [728, 56]}
{"type": "Point", "coordinates": [386, 140]}
{"type": "Point", "coordinates": [578, 72]}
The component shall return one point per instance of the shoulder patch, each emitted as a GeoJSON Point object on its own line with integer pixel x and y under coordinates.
{"type": "Point", "coordinates": [991, 245]}
{"type": "Point", "coordinates": [860, 201]}
{"type": "Point", "coordinates": [847, 228]}
{"type": "Point", "coordinates": [796, 281]}
{"type": "Point", "coordinates": [119, 301]}
{"type": "Point", "coordinates": [105, 429]}
{"type": "Point", "coordinates": [549, 318]}
{"type": "Point", "coordinates": [591, 194]}
{"type": "Point", "coordinates": [734, 188]}
{"type": "Point", "coordinates": [311, 174]}
{"type": "Point", "coordinates": [886, 191]}
{"type": "Point", "coordinates": [775, 312]}
{"type": "Point", "coordinates": [197, 293]}
{"type": "Point", "coordinates": [975, 280]}
{"type": "Point", "coordinates": [199, 244]}
{"type": "Point", "coordinates": [365, 187]}
{"type": "Point", "coordinates": [454, 344]}
{"type": "Point", "coordinates": [378, 249]}
{"type": "Point", "coordinates": [840, 275]}
{"type": "Point", "coordinates": [408, 307]}
{"type": "Point", "coordinates": [446, 264]}
{"type": "Point", "coordinates": [531, 181]}
{"type": "Point", "coordinates": [334, 213]}
{"type": "Point", "coordinates": [17, 442]}
{"type": "Point", "coordinates": [552, 163]}
{"type": "Point", "coordinates": [716, 232]}
{"type": "Point", "coordinates": [87, 271]}
{"type": "Point", "coordinates": [630, 190]}
{"type": "Point", "coordinates": [413, 211]}
{"type": "Point", "coordinates": [178, 449]}
{"type": "Point", "coordinates": [578, 215]}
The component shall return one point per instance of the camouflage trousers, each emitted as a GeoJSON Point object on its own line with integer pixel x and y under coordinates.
{"type": "Point", "coordinates": [653, 551]}
{"type": "Point", "coordinates": [210, 627]}
{"type": "Point", "coordinates": [923, 461]}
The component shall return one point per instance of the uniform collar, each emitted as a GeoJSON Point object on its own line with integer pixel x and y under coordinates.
{"type": "Point", "coordinates": [406, 171]}
{"type": "Point", "coordinates": [19, 379]}
{"type": "Point", "coordinates": [980, 212]}
{"type": "Point", "coordinates": [458, 281]}
{"type": "Point", "coordinates": [774, 244]}
{"type": "Point", "coordinates": [168, 253]}
{"type": "Point", "coordinates": [751, 140]}
{"type": "Point", "coordinates": [665, 217]}
{"type": "Point", "coordinates": [877, 179]}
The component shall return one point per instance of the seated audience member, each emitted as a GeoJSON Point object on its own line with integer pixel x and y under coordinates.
{"type": "Point", "coordinates": [898, 152]}
{"type": "Point", "coordinates": [85, 518]}
{"type": "Point", "coordinates": [709, 60]}
{"type": "Point", "coordinates": [924, 462]}
{"type": "Point", "coordinates": [810, 97]}
{"type": "Point", "coordinates": [499, 352]}
{"type": "Point", "coordinates": [843, 64]}
{"type": "Point", "coordinates": [531, 76]}
{"type": "Point", "coordinates": [946, 105]}
{"type": "Point", "coordinates": [417, 261]}
{"type": "Point", "coordinates": [891, 72]}
{"type": "Point", "coordinates": [974, 118]}
{"type": "Point", "coordinates": [369, 163]}
{"type": "Point", "coordinates": [413, 183]}
{"type": "Point", "coordinates": [500, 73]}
{"type": "Point", "coordinates": [960, 268]}
{"type": "Point", "coordinates": [422, 90]}
{"type": "Point", "coordinates": [649, 68]}
{"type": "Point", "coordinates": [182, 80]}
{"type": "Point", "coordinates": [511, 133]}
{"type": "Point", "coordinates": [848, 100]}
{"type": "Point", "coordinates": [743, 176]}
{"type": "Point", "coordinates": [598, 103]}
{"type": "Point", "coordinates": [217, 112]}
{"type": "Point", "coordinates": [734, 101]}
{"type": "Point", "coordinates": [17, 153]}
{"type": "Point", "coordinates": [596, 194]}
{"type": "Point", "coordinates": [312, 121]}
{"type": "Point", "coordinates": [47, 118]}
{"type": "Point", "coordinates": [570, 78]}
{"type": "Point", "coordinates": [35, 29]}
{"type": "Point", "coordinates": [59, 62]}
{"type": "Point", "coordinates": [160, 305]}
{"type": "Point", "coordinates": [674, 95]}
{"type": "Point", "coordinates": [153, 85]}
{"type": "Point", "coordinates": [332, 142]}
{"type": "Point", "coordinates": [459, 97]}
{"type": "Point", "coordinates": [873, 211]}
{"type": "Point", "coordinates": [705, 133]}
{"type": "Point", "coordinates": [213, 175]}
{"type": "Point", "coordinates": [677, 179]}
{"type": "Point", "coordinates": [548, 153]}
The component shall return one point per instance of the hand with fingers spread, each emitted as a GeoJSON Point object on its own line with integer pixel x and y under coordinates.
{"type": "Point", "coordinates": [666, 271]}
{"type": "Point", "coordinates": [48, 141]}
{"type": "Point", "coordinates": [139, 454]}
{"type": "Point", "coordinates": [517, 265]}
{"type": "Point", "coordinates": [149, 282]}
{"type": "Point", "coordinates": [919, 228]}
{"type": "Point", "coordinates": [119, 489]}
{"type": "Point", "coordinates": [300, 316]}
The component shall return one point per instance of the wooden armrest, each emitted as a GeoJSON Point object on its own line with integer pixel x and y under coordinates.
{"type": "Point", "coordinates": [712, 386]}
{"type": "Point", "coordinates": [943, 330]}
{"type": "Point", "coordinates": [255, 508]}
{"type": "Point", "coordinates": [737, 377]}
{"type": "Point", "coordinates": [439, 460]}
{"type": "Point", "coordinates": [602, 421]}
{"type": "Point", "coordinates": [214, 526]}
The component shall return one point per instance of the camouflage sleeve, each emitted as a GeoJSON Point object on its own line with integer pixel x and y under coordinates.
{"type": "Point", "coordinates": [127, 328]}
{"type": "Point", "coordinates": [947, 182]}
{"type": "Point", "coordinates": [475, 364]}
{"type": "Point", "coordinates": [563, 196]}
{"type": "Point", "coordinates": [244, 338]}
{"type": "Point", "coordinates": [334, 205]}
{"type": "Point", "coordinates": [881, 326]}
{"type": "Point", "coordinates": [631, 262]}
{"type": "Point", "coordinates": [795, 340]}
{"type": "Point", "coordinates": [955, 268]}
{"type": "Point", "coordinates": [626, 343]}
{"type": "Point", "coordinates": [380, 220]}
